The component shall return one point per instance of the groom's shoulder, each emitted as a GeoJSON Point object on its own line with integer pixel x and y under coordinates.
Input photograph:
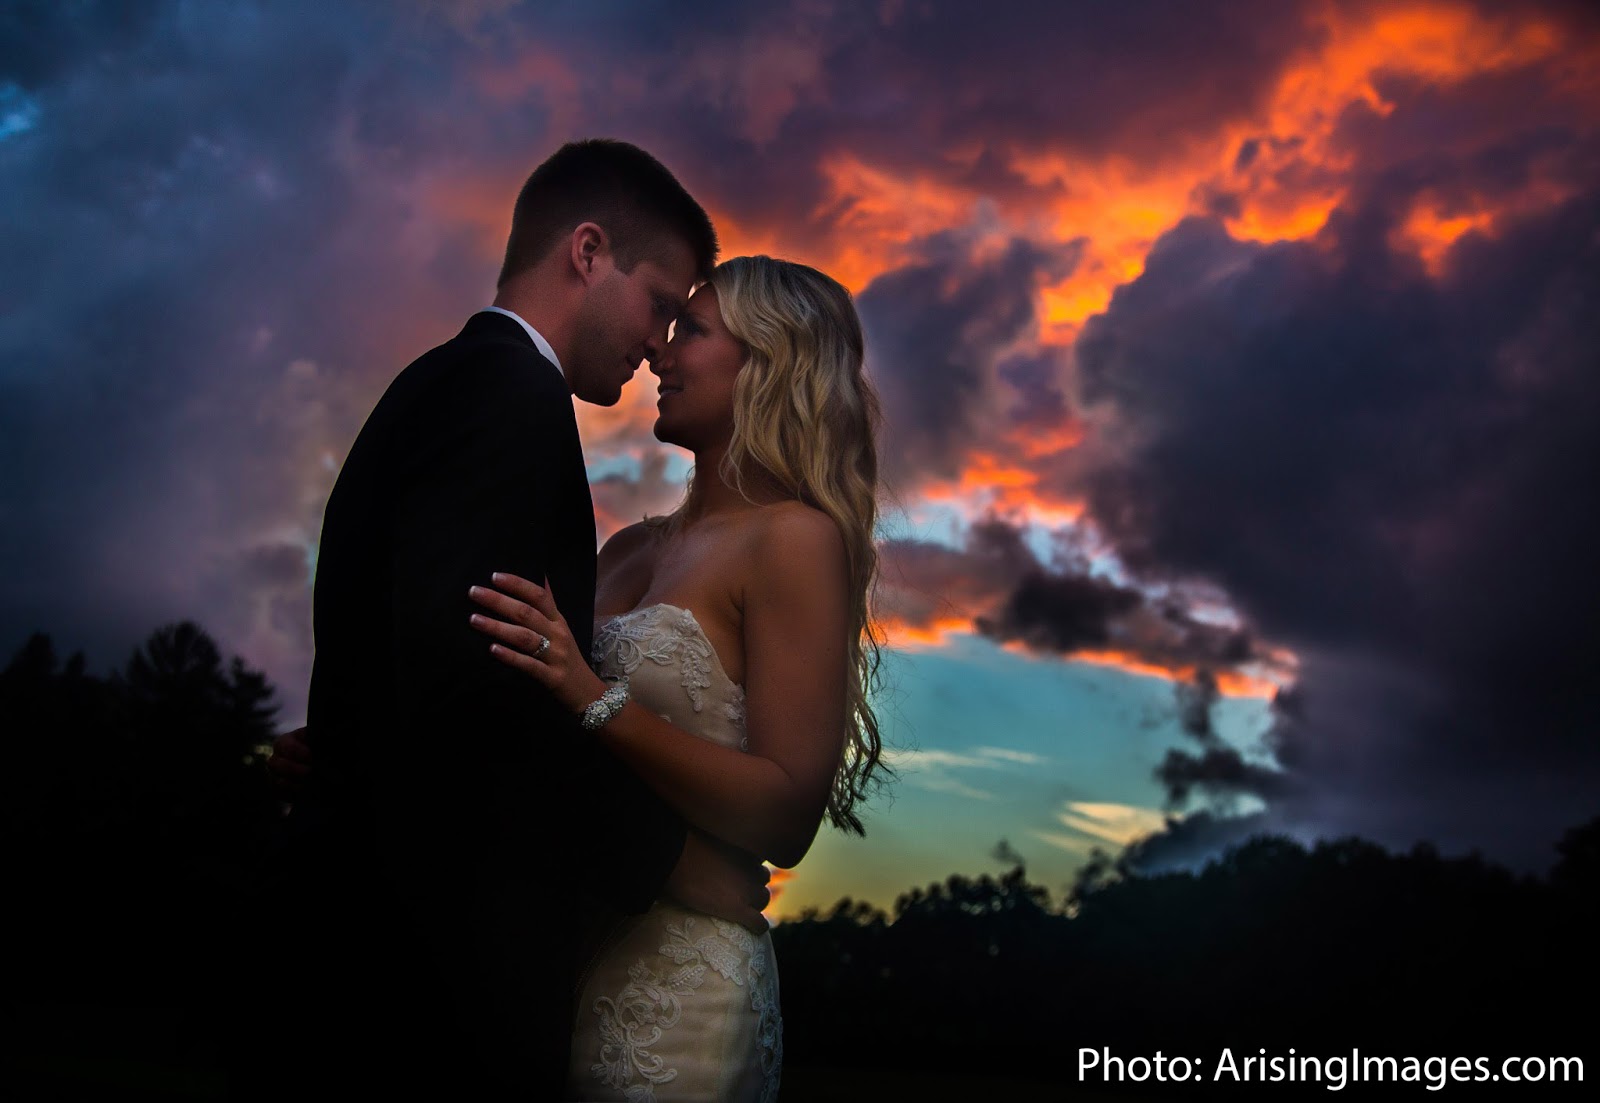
{"type": "Point", "coordinates": [481, 360]}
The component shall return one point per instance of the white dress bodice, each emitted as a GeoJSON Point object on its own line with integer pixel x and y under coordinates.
{"type": "Point", "coordinates": [681, 1005]}
{"type": "Point", "coordinates": [673, 670]}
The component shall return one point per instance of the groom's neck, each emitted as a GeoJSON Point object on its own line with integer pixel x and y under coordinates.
{"type": "Point", "coordinates": [547, 302]}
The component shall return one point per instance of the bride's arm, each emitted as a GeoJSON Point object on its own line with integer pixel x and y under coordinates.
{"type": "Point", "coordinates": [769, 800]}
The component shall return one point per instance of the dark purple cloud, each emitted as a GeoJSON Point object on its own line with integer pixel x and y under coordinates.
{"type": "Point", "coordinates": [938, 330]}
{"type": "Point", "coordinates": [997, 582]}
{"type": "Point", "coordinates": [213, 275]}
{"type": "Point", "coordinates": [1390, 472]}
{"type": "Point", "coordinates": [232, 224]}
{"type": "Point", "coordinates": [759, 99]}
{"type": "Point", "coordinates": [922, 583]}
{"type": "Point", "coordinates": [1061, 613]}
{"type": "Point", "coordinates": [1190, 842]}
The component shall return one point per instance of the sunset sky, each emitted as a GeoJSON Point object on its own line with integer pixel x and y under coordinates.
{"type": "Point", "coordinates": [1241, 364]}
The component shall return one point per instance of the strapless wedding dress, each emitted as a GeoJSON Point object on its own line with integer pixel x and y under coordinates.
{"type": "Point", "coordinates": [681, 1005]}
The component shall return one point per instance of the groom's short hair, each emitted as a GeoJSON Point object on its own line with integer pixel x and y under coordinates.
{"type": "Point", "coordinates": [620, 188]}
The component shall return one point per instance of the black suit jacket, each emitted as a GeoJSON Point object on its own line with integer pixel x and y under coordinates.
{"type": "Point", "coordinates": [464, 824]}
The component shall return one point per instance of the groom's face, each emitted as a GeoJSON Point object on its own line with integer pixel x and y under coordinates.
{"type": "Point", "coordinates": [624, 319]}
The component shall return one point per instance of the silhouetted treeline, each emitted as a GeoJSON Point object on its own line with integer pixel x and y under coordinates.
{"type": "Point", "coordinates": [1272, 945]}
{"type": "Point", "coordinates": [138, 810]}
{"type": "Point", "coordinates": [134, 816]}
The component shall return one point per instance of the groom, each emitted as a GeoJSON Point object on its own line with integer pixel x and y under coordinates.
{"type": "Point", "coordinates": [462, 848]}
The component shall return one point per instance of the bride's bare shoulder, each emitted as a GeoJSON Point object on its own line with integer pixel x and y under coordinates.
{"type": "Point", "coordinates": [624, 567]}
{"type": "Point", "coordinates": [792, 517]}
{"type": "Point", "coordinates": [789, 534]}
{"type": "Point", "coordinates": [626, 543]}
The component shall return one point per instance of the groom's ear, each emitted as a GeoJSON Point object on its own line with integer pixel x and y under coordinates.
{"type": "Point", "coordinates": [589, 243]}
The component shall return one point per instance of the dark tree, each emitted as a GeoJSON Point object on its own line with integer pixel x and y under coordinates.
{"type": "Point", "coordinates": [138, 814]}
{"type": "Point", "coordinates": [1271, 945]}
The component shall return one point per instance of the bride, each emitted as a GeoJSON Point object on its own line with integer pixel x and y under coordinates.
{"type": "Point", "coordinates": [732, 658]}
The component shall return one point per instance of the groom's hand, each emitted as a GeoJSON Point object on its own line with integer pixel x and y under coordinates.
{"type": "Point", "coordinates": [720, 880]}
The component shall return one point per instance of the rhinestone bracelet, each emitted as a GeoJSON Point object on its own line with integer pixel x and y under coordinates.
{"type": "Point", "coordinates": [606, 706]}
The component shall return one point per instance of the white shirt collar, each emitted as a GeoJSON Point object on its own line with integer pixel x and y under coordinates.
{"type": "Point", "coordinates": [538, 338]}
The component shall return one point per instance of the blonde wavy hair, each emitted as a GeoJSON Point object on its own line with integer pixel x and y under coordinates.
{"type": "Point", "coordinates": [805, 421]}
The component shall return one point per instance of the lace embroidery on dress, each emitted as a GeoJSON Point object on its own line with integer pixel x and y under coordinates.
{"type": "Point", "coordinates": [635, 1021]}
{"type": "Point", "coordinates": [635, 638]}
{"type": "Point", "coordinates": [632, 1025]}
{"type": "Point", "coordinates": [651, 1004]}
{"type": "Point", "coordinates": [764, 1002]}
{"type": "Point", "coordinates": [734, 711]}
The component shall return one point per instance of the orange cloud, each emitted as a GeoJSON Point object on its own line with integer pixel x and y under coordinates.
{"type": "Point", "coordinates": [991, 484]}
{"type": "Point", "coordinates": [739, 238]}
{"type": "Point", "coordinates": [1433, 225]}
{"type": "Point", "coordinates": [904, 635]}
{"type": "Point", "coordinates": [1275, 175]}
{"type": "Point", "coordinates": [1230, 683]}
{"type": "Point", "coordinates": [874, 214]}
{"type": "Point", "coordinates": [780, 877]}
{"type": "Point", "coordinates": [1117, 209]}
{"type": "Point", "coordinates": [1436, 42]}
{"type": "Point", "coordinates": [1296, 178]}
{"type": "Point", "coordinates": [1037, 443]}
{"type": "Point", "coordinates": [1444, 42]}
{"type": "Point", "coordinates": [1430, 234]}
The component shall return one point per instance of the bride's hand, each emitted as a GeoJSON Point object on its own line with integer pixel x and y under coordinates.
{"type": "Point", "coordinates": [528, 616]}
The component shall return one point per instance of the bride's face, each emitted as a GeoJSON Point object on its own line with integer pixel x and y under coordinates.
{"type": "Point", "coordinates": [697, 373]}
